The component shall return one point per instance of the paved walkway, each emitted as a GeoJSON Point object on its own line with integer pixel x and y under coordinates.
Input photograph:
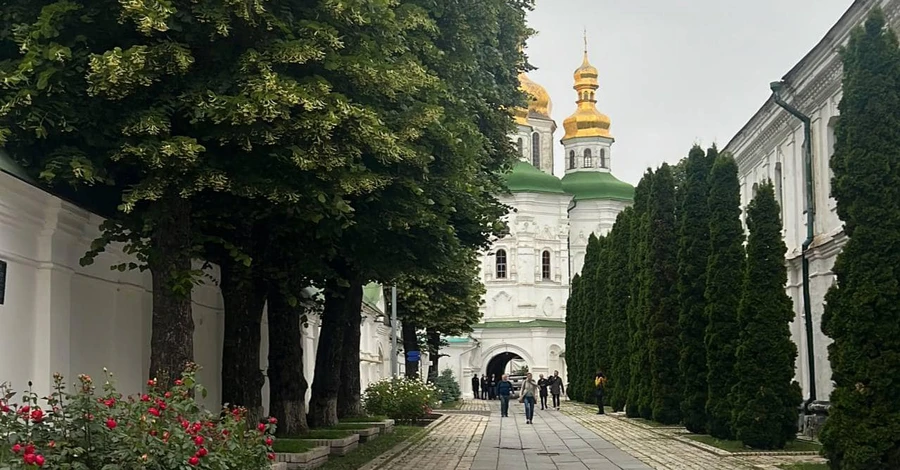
{"type": "Point", "coordinates": [574, 438]}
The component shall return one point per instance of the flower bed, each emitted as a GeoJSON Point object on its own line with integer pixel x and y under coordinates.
{"type": "Point", "coordinates": [403, 399]}
{"type": "Point", "coordinates": [162, 429]}
{"type": "Point", "coordinates": [300, 454]}
{"type": "Point", "coordinates": [366, 431]}
{"type": "Point", "coordinates": [337, 446]}
{"type": "Point", "coordinates": [386, 425]}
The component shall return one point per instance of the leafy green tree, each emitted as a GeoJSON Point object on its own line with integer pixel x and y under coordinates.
{"type": "Point", "coordinates": [663, 299]}
{"type": "Point", "coordinates": [693, 254]}
{"type": "Point", "coordinates": [862, 310]}
{"type": "Point", "coordinates": [618, 371]}
{"type": "Point", "coordinates": [640, 390]}
{"type": "Point", "coordinates": [766, 397]}
{"type": "Point", "coordinates": [724, 277]}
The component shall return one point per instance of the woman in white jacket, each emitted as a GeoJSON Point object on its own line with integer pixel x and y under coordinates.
{"type": "Point", "coordinates": [529, 392]}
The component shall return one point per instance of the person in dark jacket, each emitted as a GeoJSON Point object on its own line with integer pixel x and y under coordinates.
{"type": "Point", "coordinates": [504, 389]}
{"type": "Point", "coordinates": [493, 392]}
{"type": "Point", "coordinates": [599, 385]}
{"type": "Point", "coordinates": [556, 388]}
{"type": "Point", "coordinates": [543, 384]}
{"type": "Point", "coordinates": [484, 387]}
{"type": "Point", "coordinates": [475, 386]}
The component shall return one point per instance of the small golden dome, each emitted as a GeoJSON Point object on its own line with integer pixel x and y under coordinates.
{"type": "Point", "coordinates": [587, 121]}
{"type": "Point", "coordinates": [540, 104]}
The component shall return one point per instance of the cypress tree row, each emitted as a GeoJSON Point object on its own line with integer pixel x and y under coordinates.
{"type": "Point", "coordinates": [640, 392]}
{"type": "Point", "coordinates": [766, 398]}
{"type": "Point", "coordinates": [574, 328]}
{"type": "Point", "coordinates": [590, 313]}
{"type": "Point", "coordinates": [663, 300]}
{"type": "Point", "coordinates": [602, 323]}
{"type": "Point", "coordinates": [862, 314]}
{"type": "Point", "coordinates": [693, 254]}
{"type": "Point", "coordinates": [617, 292]}
{"type": "Point", "coordinates": [724, 277]}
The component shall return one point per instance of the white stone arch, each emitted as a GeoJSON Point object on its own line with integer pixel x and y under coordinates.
{"type": "Point", "coordinates": [492, 351]}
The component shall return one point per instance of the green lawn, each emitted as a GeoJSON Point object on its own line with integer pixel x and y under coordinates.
{"type": "Point", "coordinates": [372, 449]}
{"type": "Point", "coordinates": [738, 446]}
{"type": "Point", "coordinates": [352, 426]}
{"type": "Point", "coordinates": [649, 423]}
{"type": "Point", "coordinates": [804, 466]}
{"type": "Point", "coordinates": [364, 419]}
{"type": "Point", "coordinates": [292, 446]}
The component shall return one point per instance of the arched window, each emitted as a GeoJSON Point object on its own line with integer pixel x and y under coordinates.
{"type": "Point", "coordinates": [602, 158]}
{"type": "Point", "coordinates": [571, 159]}
{"type": "Point", "coordinates": [588, 159]}
{"type": "Point", "coordinates": [536, 150]}
{"type": "Point", "coordinates": [521, 147]}
{"type": "Point", "coordinates": [501, 264]}
{"type": "Point", "coordinates": [545, 265]}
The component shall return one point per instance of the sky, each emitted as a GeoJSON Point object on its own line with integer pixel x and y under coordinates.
{"type": "Point", "coordinates": [672, 72]}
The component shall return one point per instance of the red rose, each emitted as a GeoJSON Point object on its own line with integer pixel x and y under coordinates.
{"type": "Point", "coordinates": [261, 427]}
{"type": "Point", "coordinates": [29, 449]}
{"type": "Point", "coordinates": [39, 460]}
{"type": "Point", "coordinates": [151, 382]}
{"type": "Point", "coordinates": [37, 415]}
{"type": "Point", "coordinates": [25, 409]}
{"type": "Point", "coordinates": [168, 395]}
{"type": "Point", "coordinates": [16, 449]}
{"type": "Point", "coordinates": [153, 411]}
{"type": "Point", "coordinates": [272, 420]}
{"type": "Point", "coordinates": [202, 452]}
{"type": "Point", "coordinates": [269, 442]}
{"type": "Point", "coordinates": [179, 382]}
{"type": "Point", "coordinates": [198, 440]}
{"type": "Point", "coordinates": [145, 397]}
{"type": "Point", "coordinates": [28, 459]}
{"type": "Point", "coordinates": [110, 402]}
{"type": "Point", "coordinates": [111, 423]}
{"type": "Point", "coordinates": [194, 460]}
{"type": "Point", "coordinates": [153, 432]}
{"type": "Point", "coordinates": [271, 456]}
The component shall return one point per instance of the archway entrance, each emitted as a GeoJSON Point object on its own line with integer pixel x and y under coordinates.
{"type": "Point", "coordinates": [504, 363]}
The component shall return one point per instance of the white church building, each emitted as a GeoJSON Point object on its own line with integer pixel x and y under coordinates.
{"type": "Point", "coordinates": [527, 273]}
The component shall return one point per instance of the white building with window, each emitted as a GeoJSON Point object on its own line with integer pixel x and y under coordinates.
{"type": "Point", "coordinates": [527, 273]}
{"type": "Point", "coordinates": [770, 147]}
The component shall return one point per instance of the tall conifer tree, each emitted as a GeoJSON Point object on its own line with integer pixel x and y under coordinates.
{"type": "Point", "coordinates": [862, 314]}
{"type": "Point", "coordinates": [663, 299]}
{"type": "Point", "coordinates": [618, 371]}
{"type": "Point", "coordinates": [574, 330]}
{"type": "Point", "coordinates": [724, 276]}
{"type": "Point", "coordinates": [640, 392]}
{"type": "Point", "coordinates": [766, 397]}
{"type": "Point", "coordinates": [693, 254]}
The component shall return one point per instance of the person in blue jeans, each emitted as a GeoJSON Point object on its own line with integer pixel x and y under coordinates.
{"type": "Point", "coordinates": [504, 388]}
{"type": "Point", "coordinates": [529, 391]}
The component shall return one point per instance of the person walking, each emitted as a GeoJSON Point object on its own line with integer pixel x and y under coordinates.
{"type": "Point", "coordinates": [504, 389]}
{"type": "Point", "coordinates": [599, 385]}
{"type": "Point", "coordinates": [556, 388]}
{"type": "Point", "coordinates": [529, 391]}
{"type": "Point", "coordinates": [494, 392]}
{"type": "Point", "coordinates": [484, 387]}
{"type": "Point", "coordinates": [475, 386]}
{"type": "Point", "coordinates": [542, 385]}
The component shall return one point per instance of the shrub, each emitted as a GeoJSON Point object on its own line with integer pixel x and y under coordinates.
{"type": "Point", "coordinates": [159, 430]}
{"type": "Point", "coordinates": [448, 386]}
{"type": "Point", "coordinates": [403, 399]}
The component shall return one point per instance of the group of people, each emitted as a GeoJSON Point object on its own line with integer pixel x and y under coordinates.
{"type": "Point", "coordinates": [490, 389]}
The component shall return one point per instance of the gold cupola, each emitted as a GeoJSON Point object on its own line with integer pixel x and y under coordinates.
{"type": "Point", "coordinates": [539, 104]}
{"type": "Point", "coordinates": [586, 121]}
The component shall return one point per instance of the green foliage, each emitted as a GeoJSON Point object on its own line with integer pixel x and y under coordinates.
{"type": "Point", "coordinates": [574, 330]}
{"type": "Point", "coordinates": [162, 429]}
{"type": "Point", "coordinates": [766, 399]}
{"type": "Point", "coordinates": [724, 277]}
{"type": "Point", "coordinates": [448, 386]}
{"type": "Point", "coordinates": [618, 370]}
{"type": "Point", "coordinates": [693, 255]}
{"type": "Point", "coordinates": [401, 399]}
{"type": "Point", "coordinates": [862, 310]}
{"type": "Point", "coordinates": [663, 300]}
{"type": "Point", "coordinates": [639, 392]}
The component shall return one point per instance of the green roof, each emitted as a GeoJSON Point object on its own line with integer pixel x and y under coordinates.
{"type": "Point", "coordinates": [525, 178]}
{"type": "Point", "coordinates": [522, 324]}
{"type": "Point", "coordinates": [587, 185]}
{"type": "Point", "coordinates": [457, 339]}
{"type": "Point", "coordinates": [8, 165]}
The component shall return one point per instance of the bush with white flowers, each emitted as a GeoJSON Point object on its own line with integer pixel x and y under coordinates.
{"type": "Point", "coordinates": [402, 399]}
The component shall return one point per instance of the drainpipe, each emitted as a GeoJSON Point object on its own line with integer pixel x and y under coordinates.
{"type": "Point", "coordinates": [810, 221]}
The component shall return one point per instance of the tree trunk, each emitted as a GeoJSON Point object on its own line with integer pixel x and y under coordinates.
{"type": "Point", "coordinates": [350, 391]}
{"type": "Point", "coordinates": [172, 335]}
{"type": "Point", "coordinates": [329, 356]}
{"type": "Point", "coordinates": [434, 354]}
{"type": "Point", "coordinates": [244, 296]}
{"type": "Point", "coordinates": [287, 384]}
{"type": "Point", "coordinates": [410, 343]}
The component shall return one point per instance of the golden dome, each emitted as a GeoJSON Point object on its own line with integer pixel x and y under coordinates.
{"type": "Point", "coordinates": [521, 116]}
{"type": "Point", "coordinates": [586, 121]}
{"type": "Point", "coordinates": [539, 104]}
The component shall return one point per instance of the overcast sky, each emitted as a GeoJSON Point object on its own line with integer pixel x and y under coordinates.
{"type": "Point", "coordinates": [672, 72]}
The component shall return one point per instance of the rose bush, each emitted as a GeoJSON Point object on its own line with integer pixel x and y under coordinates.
{"type": "Point", "coordinates": [162, 429]}
{"type": "Point", "coordinates": [401, 399]}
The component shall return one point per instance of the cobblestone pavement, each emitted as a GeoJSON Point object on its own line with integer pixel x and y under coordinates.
{"type": "Point", "coordinates": [574, 438]}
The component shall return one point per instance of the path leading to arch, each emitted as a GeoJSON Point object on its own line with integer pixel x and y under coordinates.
{"type": "Point", "coordinates": [476, 438]}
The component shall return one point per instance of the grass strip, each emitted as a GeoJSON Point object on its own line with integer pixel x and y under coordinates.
{"type": "Point", "coordinates": [292, 446]}
{"type": "Point", "coordinates": [738, 446]}
{"type": "Point", "coordinates": [367, 452]}
{"type": "Point", "coordinates": [364, 419]}
{"type": "Point", "coordinates": [804, 466]}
